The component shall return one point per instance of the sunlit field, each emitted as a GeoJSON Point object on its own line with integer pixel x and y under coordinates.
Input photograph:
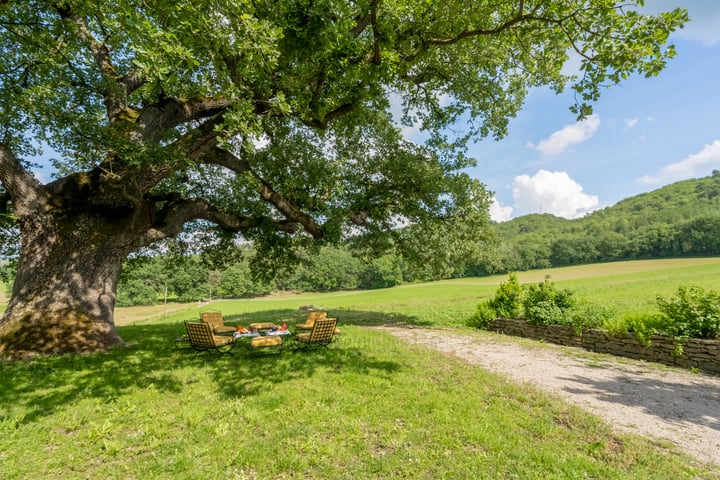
{"type": "Point", "coordinates": [370, 406]}
{"type": "Point", "coordinates": [622, 286]}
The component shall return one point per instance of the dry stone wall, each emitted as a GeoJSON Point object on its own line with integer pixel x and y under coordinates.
{"type": "Point", "coordinates": [703, 355]}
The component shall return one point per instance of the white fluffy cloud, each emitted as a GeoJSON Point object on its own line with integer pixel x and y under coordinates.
{"type": "Point", "coordinates": [552, 192]}
{"type": "Point", "coordinates": [500, 212]}
{"type": "Point", "coordinates": [569, 135]}
{"type": "Point", "coordinates": [696, 165]}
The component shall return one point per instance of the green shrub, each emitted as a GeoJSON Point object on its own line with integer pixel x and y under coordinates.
{"type": "Point", "coordinates": [507, 302]}
{"type": "Point", "coordinates": [694, 313]}
{"type": "Point", "coordinates": [616, 327]}
{"type": "Point", "coordinates": [540, 304]}
{"type": "Point", "coordinates": [544, 304]}
{"type": "Point", "coordinates": [588, 315]}
{"type": "Point", "coordinates": [643, 325]}
{"type": "Point", "coordinates": [545, 312]}
{"type": "Point", "coordinates": [483, 315]}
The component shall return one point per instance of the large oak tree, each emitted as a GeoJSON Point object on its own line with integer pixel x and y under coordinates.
{"type": "Point", "coordinates": [266, 119]}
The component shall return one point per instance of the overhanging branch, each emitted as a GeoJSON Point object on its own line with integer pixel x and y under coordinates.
{"type": "Point", "coordinates": [170, 219]}
{"type": "Point", "coordinates": [519, 18]}
{"type": "Point", "coordinates": [292, 213]}
{"type": "Point", "coordinates": [205, 150]}
{"type": "Point", "coordinates": [169, 113]}
{"type": "Point", "coordinates": [323, 123]}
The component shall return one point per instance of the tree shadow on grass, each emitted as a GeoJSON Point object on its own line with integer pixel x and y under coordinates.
{"type": "Point", "coordinates": [345, 317]}
{"type": "Point", "coordinates": [252, 372]}
{"type": "Point", "coordinates": [248, 372]}
{"type": "Point", "coordinates": [41, 386]}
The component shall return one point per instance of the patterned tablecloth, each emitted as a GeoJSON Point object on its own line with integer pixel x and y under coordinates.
{"type": "Point", "coordinates": [277, 332]}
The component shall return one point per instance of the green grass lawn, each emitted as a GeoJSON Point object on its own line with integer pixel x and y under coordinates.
{"type": "Point", "coordinates": [371, 406]}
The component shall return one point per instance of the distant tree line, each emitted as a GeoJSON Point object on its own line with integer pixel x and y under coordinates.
{"type": "Point", "coordinates": [589, 244]}
{"type": "Point", "coordinates": [188, 279]}
{"type": "Point", "coordinates": [330, 269]}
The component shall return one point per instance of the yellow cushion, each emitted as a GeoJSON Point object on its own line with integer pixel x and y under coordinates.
{"type": "Point", "coordinates": [213, 318]}
{"type": "Point", "coordinates": [219, 341]}
{"type": "Point", "coordinates": [273, 341]}
{"type": "Point", "coordinates": [310, 320]}
{"type": "Point", "coordinates": [224, 329]}
{"type": "Point", "coordinates": [303, 337]}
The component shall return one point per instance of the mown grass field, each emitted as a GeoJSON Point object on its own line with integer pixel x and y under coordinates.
{"type": "Point", "coordinates": [371, 406]}
{"type": "Point", "coordinates": [623, 286]}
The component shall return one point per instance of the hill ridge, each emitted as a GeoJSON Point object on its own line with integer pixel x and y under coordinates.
{"type": "Point", "coordinates": [677, 220]}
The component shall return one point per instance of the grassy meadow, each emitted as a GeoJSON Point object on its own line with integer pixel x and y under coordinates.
{"type": "Point", "coordinates": [370, 406]}
{"type": "Point", "coordinates": [623, 286]}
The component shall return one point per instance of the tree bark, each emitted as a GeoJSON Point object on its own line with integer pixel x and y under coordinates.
{"type": "Point", "coordinates": [75, 234]}
{"type": "Point", "coordinates": [64, 293]}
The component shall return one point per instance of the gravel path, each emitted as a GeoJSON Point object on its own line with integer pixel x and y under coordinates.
{"type": "Point", "coordinates": [633, 396]}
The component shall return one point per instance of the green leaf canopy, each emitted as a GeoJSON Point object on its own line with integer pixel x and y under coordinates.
{"type": "Point", "coordinates": [272, 118]}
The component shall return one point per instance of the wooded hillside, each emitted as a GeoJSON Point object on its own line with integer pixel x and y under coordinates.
{"type": "Point", "coordinates": [681, 219]}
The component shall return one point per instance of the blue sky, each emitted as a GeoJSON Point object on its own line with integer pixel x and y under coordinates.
{"type": "Point", "coordinates": [645, 133]}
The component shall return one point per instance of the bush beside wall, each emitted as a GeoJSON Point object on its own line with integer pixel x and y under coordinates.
{"type": "Point", "coordinates": [703, 355]}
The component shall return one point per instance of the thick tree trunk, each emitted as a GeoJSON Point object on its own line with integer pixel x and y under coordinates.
{"type": "Point", "coordinates": [75, 234]}
{"type": "Point", "coordinates": [64, 292]}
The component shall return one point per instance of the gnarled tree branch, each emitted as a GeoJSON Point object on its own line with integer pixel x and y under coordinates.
{"type": "Point", "coordinates": [169, 113]}
{"type": "Point", "coordinates": [291, 212]}
{"type": "Point", "coordinates": [22, 187]}
{"type": "Point", "coordinates": [508, 24]}
{"type": "Point", "coordinates": [206, 151]}
{"type": "Point", "coordinates": [323, 123]}
{"type": "Point", "coordinates": [170, 219]}
{"type": "Point", "coordinates": [115, 97]}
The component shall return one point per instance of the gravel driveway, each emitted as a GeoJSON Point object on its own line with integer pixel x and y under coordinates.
{"type": "Point", "coordinates": [633, 396]}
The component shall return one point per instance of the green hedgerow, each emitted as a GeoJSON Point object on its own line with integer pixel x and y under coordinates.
{"type": "Point", "coordinates": [693, 313]}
